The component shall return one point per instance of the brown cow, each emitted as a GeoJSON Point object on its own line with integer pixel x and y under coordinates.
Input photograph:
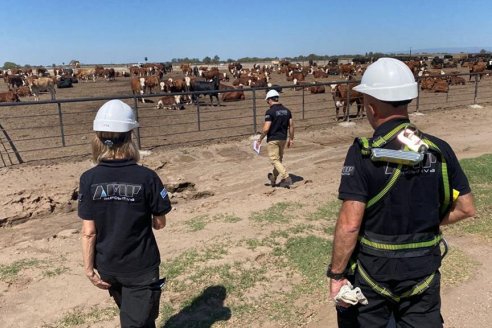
{"type": "Point", "coordinates": [318, 74]}
{"type": "Point", "coordinates": [440, 86]}
{"type": "Point", "coordinates": [86, 74]}
{"type": "Point", "coordinates": [41, 84]}
{"type": "Point", "coordinates": [138, 86]}
{"type": "Point", "coordinates": [456, 80]}
{"type": "Point", "coordinates": [340, 92]}
{"type": "Point", "coordinates": [23, 91]}
{"type": "Point", "coordinates": [299, 76]}
{"type": "Point", "coordinates": [427, 83]}
{"type": "Point", "coordinates": [347, 69]}
{"type": "Point", "coordinates": [434, 84]}
{"type": "Point", "coordinates": [9, 96]}
{"type": "Point", "coordinates": [317, 89]}
{"type": "Point", "coordinates": [150, 83]}
{"type": "Point", "coordinates": [242, 80]}
{"type": "Point", "coordinates": [170, 102]}
{"type": "Point", "coordinates": [234, 95]}
{"type": "Point", "coordinates": [477, 69]}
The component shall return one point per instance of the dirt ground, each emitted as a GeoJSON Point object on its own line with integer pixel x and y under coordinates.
{"type": "Point", "coordinates": [228, 177]}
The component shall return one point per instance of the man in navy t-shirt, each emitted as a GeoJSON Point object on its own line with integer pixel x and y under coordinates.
{"type": "Point", "coordinates": [279, 130]}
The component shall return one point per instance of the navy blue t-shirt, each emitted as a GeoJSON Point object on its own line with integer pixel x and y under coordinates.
{"type": "Point", "coordinates": [411, 206]}
{"type": "Point", "coordinates": [121, 197]}
{"type": "Point", "coordinates": [279, 116]}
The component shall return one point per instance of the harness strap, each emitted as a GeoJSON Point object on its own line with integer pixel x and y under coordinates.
{"type": "Point", "coordinates": [416, 290]}
{"type": "Point", "coordinates": [399, 247]}
{"type": "Point", "coordinates": [445, 179]}
{"type": "Point", "coordinates": [394, 177]}
{"type": "Point", "coordinates": [366, 146]}
{"type": "Point", "coordinates": [380, 141]}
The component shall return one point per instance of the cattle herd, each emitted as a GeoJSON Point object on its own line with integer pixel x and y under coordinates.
{"type": "Point", "coordinates": [186, 84]}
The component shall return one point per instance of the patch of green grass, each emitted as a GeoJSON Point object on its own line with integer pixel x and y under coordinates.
{"type": "Point", "coordinates": [328, 211]}
{"type": "Point", "coordinates": [185, 262]}
{"type": "Point", "coordinates": [278, 213]}
{"type": "Point", "coordinates": [478, 169]}
{"type": "Point", "coordinates": [53, 272]}
{"type": "Point", "coordinates": [456, 268]}
{"type": "Point", "coordinates": [480, 176]}
{"type": "Point", "coordinates": [80, 316]}
{"type": "Point", "coordinates": [197, 223]}
{"type": "Point", "coordinates": [9, 272]}
{"type": "Point", "coordinates": [179, 265]}
{"type": "Point", "coordinates": [227, 218]}
{"type": "Point", "coordinates": [309, 255]}
{"type": "Point", "coordinates": [253, 243]}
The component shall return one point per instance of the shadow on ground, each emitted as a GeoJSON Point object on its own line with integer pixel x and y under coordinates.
{"type": "Point", "coordinates": [204, 311]}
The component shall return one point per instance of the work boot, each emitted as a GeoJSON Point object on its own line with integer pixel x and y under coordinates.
{"type": "Point", "coordinates": [272, 179]}
{"type": "Point", "coordinates": [285, 183]}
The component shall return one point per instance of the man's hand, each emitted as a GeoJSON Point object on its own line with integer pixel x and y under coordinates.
{"type": "Point", "coordinates": [159, 222]}
{"type": "Point", "coordinates": [290, 142]}
{"type": "Point", "coordinates": [97, 281]}
{"type": "Point", "coordinates": [335, 286]}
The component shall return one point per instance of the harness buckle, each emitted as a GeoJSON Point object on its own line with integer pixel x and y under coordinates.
{"type": "Point", "coordinates": [403, 157]}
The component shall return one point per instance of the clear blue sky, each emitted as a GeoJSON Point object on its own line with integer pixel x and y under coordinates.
{"type": "Point", "coordinates": [118, 31]}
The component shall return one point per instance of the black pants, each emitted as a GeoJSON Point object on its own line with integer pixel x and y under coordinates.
{"type": "Point", "coordinates": [420, 311]}
{"type": "Point", "coordinates": [137, 298]}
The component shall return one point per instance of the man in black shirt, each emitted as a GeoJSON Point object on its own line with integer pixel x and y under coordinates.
{"type": "Point", "coordinates": [277, 127]}
{"type": "Point", "coordinates": [398, 188]}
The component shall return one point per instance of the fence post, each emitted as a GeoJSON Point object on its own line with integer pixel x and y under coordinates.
{"type": "Point", "coordinates": [61, 124]}
{"type": "Point", "coordinates": [476, 90]}
{"type": "Point", "coordinates": [303, 103]}
{"type": "Point", "coordinates": [198, 113]}
{"type": "Point", "coordinates": [347, 104]}
{"type": "Point", "coordinates": [137, 131]}
{"type": "Point", "coordinates": [12, 145]}
{"type": "Point", "coordinates": [254, 111]}
{"type": "Point", "coordinates": [418, 96]}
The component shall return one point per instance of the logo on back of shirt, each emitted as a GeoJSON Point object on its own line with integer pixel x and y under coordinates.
{"type": "Point", "coordinates": [116, 191]}
{"type": "Point", "coordinates": [281, 112]}
{"type": "Point", "coordinates": [348, 170]}
{"type": "Point", "coordinates": [427, 166]}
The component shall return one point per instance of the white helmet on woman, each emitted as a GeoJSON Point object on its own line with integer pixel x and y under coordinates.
{"type": "Point", "coordinates": [115, 116]}
{"type": "Point", "coordinates": [388, 79]}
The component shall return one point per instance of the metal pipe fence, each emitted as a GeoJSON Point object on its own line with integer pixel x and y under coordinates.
{"type": "Point", "coordinates": [62, 128]}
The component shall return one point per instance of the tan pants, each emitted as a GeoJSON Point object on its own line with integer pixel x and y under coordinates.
{"type": "Point", "coordinates": [275, 150]}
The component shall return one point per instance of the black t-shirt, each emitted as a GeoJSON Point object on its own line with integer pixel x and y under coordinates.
{"type": "Point", "coordinates": [279, 116]}
{"type": "Point", "coordinates": [411, 206]}
{"type": "Point", "coordinates": [121, 197]}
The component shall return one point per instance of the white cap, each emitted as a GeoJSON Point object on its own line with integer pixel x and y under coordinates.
{"type": "Point", "coordinates": [388, 79]}
{"type": "Point", "coordinates": [271, 94]}
{"type": "Point", "coordinates": [115, 116]}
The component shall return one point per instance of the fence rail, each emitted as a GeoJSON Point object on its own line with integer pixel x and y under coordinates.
{"type": "Point", "coordinates": [62, 128]}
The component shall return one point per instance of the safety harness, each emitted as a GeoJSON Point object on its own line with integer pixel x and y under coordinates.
{"type": "Point", "coordinates": [418, 244]}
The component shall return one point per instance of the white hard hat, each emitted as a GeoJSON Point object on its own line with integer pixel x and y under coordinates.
{"type": "Point", "coordinates": [272, 93]}
{"type": "Point", "coordinates": [115, 116]}
{"type": "Point", "coordinates": [388, 79]}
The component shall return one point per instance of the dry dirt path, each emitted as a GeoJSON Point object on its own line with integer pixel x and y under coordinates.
{"type": "Point", "coordinates": [227, 177]}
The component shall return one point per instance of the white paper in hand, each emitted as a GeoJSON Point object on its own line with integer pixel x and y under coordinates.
{"type": "Point", "coordinates": [256, 146]}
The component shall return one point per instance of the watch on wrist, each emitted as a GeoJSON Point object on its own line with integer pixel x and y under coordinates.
{"type": "Point", "coordinates": [336, 276]}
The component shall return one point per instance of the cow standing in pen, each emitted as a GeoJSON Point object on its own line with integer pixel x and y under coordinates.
{"type": "Point", "coordinates": [205, 87]}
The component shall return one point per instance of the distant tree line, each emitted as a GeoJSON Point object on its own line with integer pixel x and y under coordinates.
{"type": "Point", "coordinates": [311, 57]}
